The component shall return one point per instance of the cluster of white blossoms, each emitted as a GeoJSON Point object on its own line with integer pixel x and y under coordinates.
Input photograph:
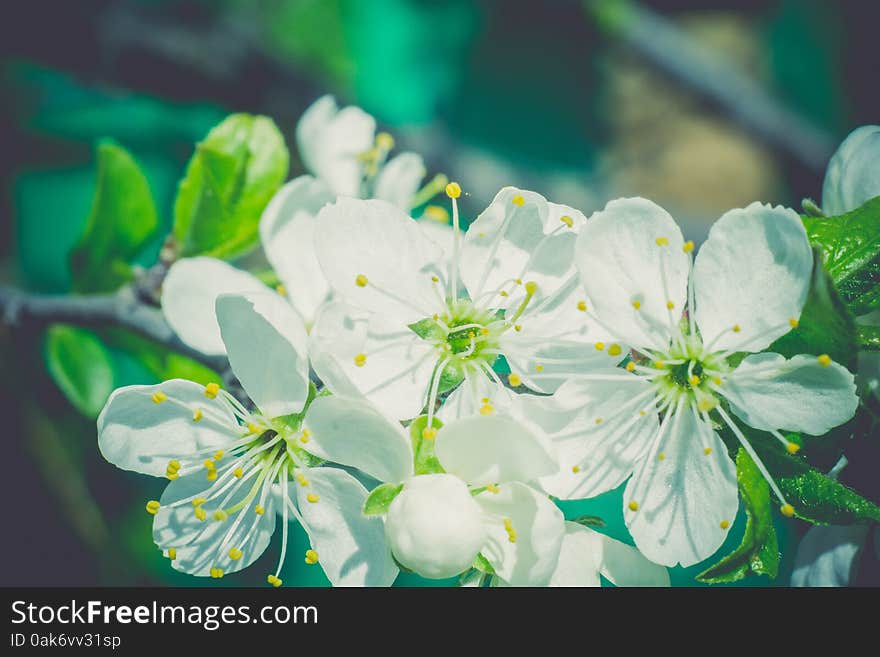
{"type": "Point", "coordinates": [421, 396]}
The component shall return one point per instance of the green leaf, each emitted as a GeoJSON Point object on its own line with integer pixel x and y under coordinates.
{"type": "Point", "coordinates": [380, 498]}
{"type": "Point", "coordinates": [816, 498]}
{"type": "Point", "coordinates": [424, 461]}
{"type": "Point", "coordinates": [231, 177]}
{"type": "Point", "coordinates": [869, 337]}
{"type": "Point", "coordinates": [80, 366]}
{"type": "Point", "coordinates": [759, 550]}
{"type": "Point", "coordinates": [850, 245]}
{"type": "Point", "coordinates": [427, 329]}
{"type": "Point", "coordinates": [589, 521]}
{"type": "Point", "coordinates": [450, 378]}
{"type": "Point", "coordinates": [161, 362]}
{"type": "Point", "coordinates": [482, 564]}
{"type": "Point", "coordinates": [121, 221]}
{"type": "Point", "coordinates": [826, 325]}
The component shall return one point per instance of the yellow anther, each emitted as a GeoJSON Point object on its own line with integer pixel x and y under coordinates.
{"type": "Point", "coordinates": [514, 379]}
{"type": "Point", "coordinates": [435, 278]}
{"type": "Point", "coordinates": [211, 390]}
{"type": "Point", "coordinates": [361, 281]}
{"type": "Point", "coordinates": [517, 327]}
{"type": "Point", "coordinates": [435, 317]}
{"type": "Point", "coordinates": [235, 554]}
{"type": "Point", "coordinates": [614, 350]}
{"type": "Point", "coordinates": [787, 510]}
{"type": "Point", "coordinates": [511, 532]}
{"type": "Point", "coordinates": [281, 290]}
{"type": "Point", "coordinates": [575, 468]}
{"type": "Point", "coordinates": [437, 213]}
{"type": "Point", "coordinates": [793, 448]}
{"type": "Point", "coordinates": [531, 287]}
{"type": "Point", "coordinates": [707, 404]}
{"type": "Point", "coordinates": [600, 346]}
{"type": "Point", "coordinates": [172, 553]}
{"type": "Point", "coordinates": [301, 479]}
{"type": "Point", "coordinates": [633, 506]}
{"type": "Point", "coordinates": [471, 335]}
{"type": "Point", "coordinates": [486, 409]}
{"type": "Point", "coordinates": [694, 380]}
{"type": "Point", "coordinates": [311, 557]}
{"type": "Point", "coordinates": [737, 328]}
{"type": "Point", "coordinates": [198, 415]}
{"type": "Point", "coordinates": [484, 331]}
{"type": "Point", "coordinates": [200, 513]}
{"type": "Point", "coordinates": [539, 367]}
{"type": "Point", "coordinates": [662, 241]}
{"type": "Point", "coordinates": [793, 322]}
{"type": "Point", "coordinates": [216, 573]}
{"type": "Point", "coordinates": [429, 433]}
{"type": "Point", "coordinates": [582, 306]}
{"type": "Point", "coordinates": [518, 200]}
{"type": "Point", "coordinates": [707, 451]}
{"type": "Point", "coordinates": [659, 364]}
{"type": "Point", "coordinates": [218, 455]}
{"type": "Point", "coordinates": [238, 472]}
{"type": "Point", "coordinates": [304, 436]}
{"type": "Point", "coordinates": [503, 293]}
{"type": "Point", "coordinates": [311, 497]}
{"type": "Point", "coordinates": [259, 510]}
{"type": "Point", "coordinates": [153, 507]}
{"type": "Point", "coordinates": [384, 141]}
{"type": "Point", "coordinates": [158, 397]}
{"type": "Point", "coordinates": [599, 420]}
{"type": "Point", "coordinates": [717, 380]}
{"type": "Point", "coordinates": [568, 221]}
{"type": "Point", "coordinates": [174, 465]}
{"type": "Point", "coordinates": [254, 428]}
{"type": "Point", "coordinates": [643, 413]}
{"type": "Point", "coordinates": [453, 190]}
{"type": "Point", "coordinates": [493, 488]}
{"type": "Point", "coordinates": [274, 581]}
{"type": "Point", "coordinates": [724, 524]}
{"type": "Point", "coordinates": [171, 475]}
{"type": "Point", "coordinates": [211, 475]}
{"type": "Point", "coordinates": [637, 304]}
{"type": "Point", "coordinates": [220, 515]}
{"type": "Point", "coordinates": [518, 281]}
{"type": "Point", "coordinates": [824, 360]}
{"type": "Point", "coordinates": [670, 305]}
{"type": "Point", "coordinates": [661, 456]}
{"type": "Point", "coordinates": [485, 400]}
{"type": "Point", "coordinates": [631, 366]}
{"type": "Point", "coordinates": [360, 360]}
{"type": "Point", "coordinates": [199, 501]}
{"type": "Point", "coordinates": [209, 464]}
{"type": "Point", "coordinates": [688, 246]}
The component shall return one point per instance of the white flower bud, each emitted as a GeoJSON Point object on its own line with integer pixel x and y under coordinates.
{"type": "Point", "coordinates": [853, 174]}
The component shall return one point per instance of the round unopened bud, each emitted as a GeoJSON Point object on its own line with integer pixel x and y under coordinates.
{"type": "Point", "coordinates": [434, 526]}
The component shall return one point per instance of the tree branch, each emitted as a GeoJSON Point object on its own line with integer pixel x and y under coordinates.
{"type": "Point", "coordinates": [121, 309]}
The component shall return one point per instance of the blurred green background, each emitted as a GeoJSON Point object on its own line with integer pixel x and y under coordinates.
{"type": "Point", "coordinates": [570, 99]}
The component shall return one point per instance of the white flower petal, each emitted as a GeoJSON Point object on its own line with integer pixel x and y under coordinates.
{"type": "Point", "coordinates": [687, 501]}
{"type": "Point", "coordinates": [397, 367]}
{"type": "Point", "coordinates": [375, 243]}
{"type": "Point", "coordinates": [135, 433]}
{"type": "Point", "coordinates": [330, 141]}
{"type": "Point", "coordinates": [746, 250]}
{"type": "Point", "coordinates": [828, 556]}
{"type": "Point", "coordinates": [624, 565]}
{"type": "Point", "coordinates": [352, 432]}
{"type": "Point", "coordinates": [493, 448]}
{"type": "Point", "coordinates": [632, 264]}
{"type": "Point", "coordinates": [853, 177]}
{"type": "Point", "coordinates": [203, 545]}
{"type": "Point", "coordinates": [267, 345]}
{"type": "Point", "coordinates": [578, 563]}
{"type": "Point", "coordinates": [434, 526]}
{"type": "Point", "coordinates": [600, 447]}
{"type": "Point", "coordinates": [287, 230]}
{"type": "Point", "coordinates": [799, 394]}
{"type": "Point", "coordinates": [535, 524]}
{"type": "Point", "coordinates": [399, 180]}
{"type": "Point", "coordinates": [188, 295]}
{"type": "Point", "coordinates": [351, 547]}
{"type": "Point", "coordinates": [559, 215]}
{"type": "Point", "coordinates": [467, 399]}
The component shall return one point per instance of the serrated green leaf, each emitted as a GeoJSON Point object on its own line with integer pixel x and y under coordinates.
{"type": "Point", "coordinates": [427, 329]}
{"type": "Point", "coordinates": [80, 366]}
{"type": "Point", "coordinates": [122, 219]}
{"type": "Point", "coordinates": [850, 245]}
{"type": "Point", "coordinates": [380, 498]}
{"type": "Point", "coordinates": [826, 325]}
{"type": "Point", "coordinates": [424, 460]}
{"type": "Point", "coordinates": [231, 177]}
{"type": "Point", "coordinates": [759, 550]}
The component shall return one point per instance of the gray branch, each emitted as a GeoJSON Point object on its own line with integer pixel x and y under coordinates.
{"type": "Point", "coordinates": [122, 309]}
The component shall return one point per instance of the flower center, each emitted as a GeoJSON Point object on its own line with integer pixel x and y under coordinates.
{"type": "Point", "coordinates": [688, 371]}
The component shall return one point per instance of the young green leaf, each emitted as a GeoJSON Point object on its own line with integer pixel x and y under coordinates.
{"type": "Point", "coordinates": [80, 366]}
{"type": "Point", "coordinates": [850, 245]}
{"type": "Point", "coordinates": [869, 337]}
{"type": "Point", "coordinates": [759, 551]}
{"type": "Point", "coordinates": [482, 564]}
{"type": "Point", "coordinates": [232, 175]}
{"type": "Point", "coordinates": [380, 498]}
{"type": "Point", "coordinates": [162, 363]}
{"type": "Point", "coordinates": [427, 329]}
{"type": "Point", "coordinates": [826, 325]}
{"type": "Point", "coordinates": [121, 221]}
{"type": "Point", "coordinates": [424, 461]}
